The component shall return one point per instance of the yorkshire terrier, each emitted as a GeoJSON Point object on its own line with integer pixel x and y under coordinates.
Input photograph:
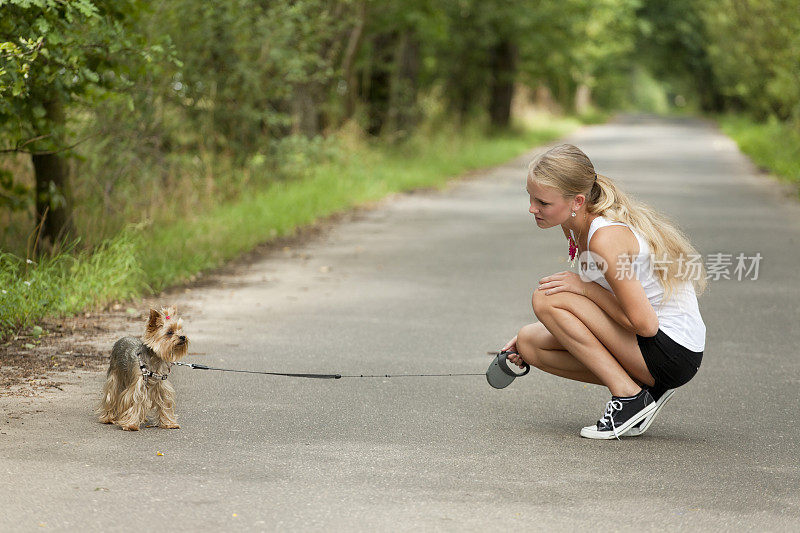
{"type": "Point", "coordinates": [136, 381]}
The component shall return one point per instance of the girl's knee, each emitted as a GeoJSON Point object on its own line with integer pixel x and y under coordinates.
{"type": "Point", "coordinates": [526, 334]}
{"type": "Point", "coordinates": [538, 301]}
{"type": "Point", "coordinates": [534, 334]}
{"type": "Point", "coordinates": [531, 356]}
{"type": "Point", "coordinates": [542, 302]}
{"type": "Point", "coordinates": [527, 342]}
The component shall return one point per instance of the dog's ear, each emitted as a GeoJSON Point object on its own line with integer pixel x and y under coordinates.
{"type": "Point", "coordinates": [155, 321]}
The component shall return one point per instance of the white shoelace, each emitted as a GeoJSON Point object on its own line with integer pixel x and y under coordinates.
{"type": "Point", "coordinates": [611, 406]}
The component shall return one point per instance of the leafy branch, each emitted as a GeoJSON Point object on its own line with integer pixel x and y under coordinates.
{"type": "Point", "coordinates": [19, 147]}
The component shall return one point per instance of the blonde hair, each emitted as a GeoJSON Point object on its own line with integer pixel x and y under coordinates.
{"type": "Point", "coordinates": [567, 169]}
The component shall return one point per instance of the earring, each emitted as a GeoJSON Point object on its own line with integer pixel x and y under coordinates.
{"type": "Point", "coordinates": [573, 213]}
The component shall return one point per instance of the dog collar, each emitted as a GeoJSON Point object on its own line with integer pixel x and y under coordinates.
{"type": "Point", "coordinates": [146, 373]}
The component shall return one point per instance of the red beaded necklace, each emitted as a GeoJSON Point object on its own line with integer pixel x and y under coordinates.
{"type": "Point", "coordinates": [573, 246]}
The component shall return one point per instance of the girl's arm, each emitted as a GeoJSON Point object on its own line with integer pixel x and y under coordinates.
{"type": "Point", "coordinates": [608, 303]}
{"type": "Point", "coordinates": [630, 306]}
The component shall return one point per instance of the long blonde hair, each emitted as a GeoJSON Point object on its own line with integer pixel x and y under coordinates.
{"type": "Point", "coordinates": [567, 169]}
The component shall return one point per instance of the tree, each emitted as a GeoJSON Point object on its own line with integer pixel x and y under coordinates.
{"type": "Point", "coordinates": [673, 43]}
{"type": "Point", "coordinates": [754, 47]}
{"type": "Point", "coordinates": [59, 53]}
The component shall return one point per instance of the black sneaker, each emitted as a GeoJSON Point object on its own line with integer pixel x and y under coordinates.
{"type": "Point", "coordinates": [643, 426]}
{"type": "Point", "coordinates": [622, 413]}
{"type": "Point", "coordinates": [657, 392]}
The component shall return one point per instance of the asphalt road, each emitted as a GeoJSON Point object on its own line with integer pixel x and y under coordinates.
{"type": "Point", "coordinates": [429, 282]}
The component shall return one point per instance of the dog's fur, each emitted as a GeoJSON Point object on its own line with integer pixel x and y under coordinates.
{"type": "Point", "coordinates": [127, 396]}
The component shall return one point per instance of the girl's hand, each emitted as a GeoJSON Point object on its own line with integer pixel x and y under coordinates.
{"type": "Point", "coordinates": [510, 345]}
{"type": "Point", "coordinates": [513, 357]}
{"type": "Point", "coordinates": [516, 359]}
{"type": "Point", "coordinates": [565, 281]}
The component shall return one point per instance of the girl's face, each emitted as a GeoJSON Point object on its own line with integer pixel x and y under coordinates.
{"type": "Point", "coordinates": [547, 205]}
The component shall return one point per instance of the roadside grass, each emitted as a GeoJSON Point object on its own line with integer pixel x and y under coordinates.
{"type": "Point", "coordinates": [68, 282]}
{"type": "Point", "coordinates": [156, 254]}
{"type": "Point", "coordinates": [772, 145]}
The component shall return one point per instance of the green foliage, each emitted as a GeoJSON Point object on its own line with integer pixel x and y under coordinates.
{"type": "Point", "coordinates": [647, 94]}
{"type": "Point", "coordinates": [56, 54]}
{"type": "Point", "coordinates": [602, 47]}
{"type": "Point", "coordinates": [244, 63]}
{"type": "Point", "coordinates": [57, 51]}
{"type": "Point", "coordinates": [564, 45]}
{"type": "Point", "coordinates": [754, 47]}
{"type": "Point", "coordinates": [16, 64]}
{"type": "Point", "coordinates": [220, 109]}
{"type": "Point", "coordinates": [726, 54]}
{"type": "Point", "coordinates": [772, 145]}
{"type": "Point", "coordinates": [672, 44]}
{"type": "Point", "coordinates": [14, 196]}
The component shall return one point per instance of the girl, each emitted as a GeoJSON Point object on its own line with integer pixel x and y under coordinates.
{"type": "Point", "coordinates": [630, 320]}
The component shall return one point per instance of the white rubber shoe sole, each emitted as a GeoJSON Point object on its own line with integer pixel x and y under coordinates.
{"type": "Point", "coordinates": [591, 432]}
{"type": "Point", "coordinates": [635, 432]}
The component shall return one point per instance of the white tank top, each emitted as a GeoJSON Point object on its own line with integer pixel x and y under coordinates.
{"type": "Point", "coordinates": [679, 317]}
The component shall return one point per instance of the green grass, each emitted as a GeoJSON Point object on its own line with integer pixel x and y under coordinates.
{"type": "Point", "coordinates": [772, 145]}
{"type": "Point", "coordinates": [157, 255]}
{"type": "Point", "coordinates": [68, 282]}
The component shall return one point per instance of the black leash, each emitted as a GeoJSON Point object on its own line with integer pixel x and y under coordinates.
{"type": "Point", "coordinates": [318, 376]}
{"type": "Point", "coordinates": [204, 367]}
{"type": "Point", "coordinates": [410, 375]}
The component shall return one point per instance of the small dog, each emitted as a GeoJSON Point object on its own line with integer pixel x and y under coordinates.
{"type": "Point", "coordinates": [136, 381]}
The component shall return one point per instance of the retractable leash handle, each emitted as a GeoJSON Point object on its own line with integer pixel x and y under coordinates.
{"type": "Point", "coordinates": [500, 375]}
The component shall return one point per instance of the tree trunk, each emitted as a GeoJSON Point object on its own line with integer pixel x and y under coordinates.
{"type": "Point", "coordinates": [504, 69]}
{"type": "Point", "coordinates": [711, 100]}
{"type": "Point", "coordinates": [348, 72]}
{"type": "Point", "coordinates": [304, 109]}
{"type": "Point", "coordinates": [53, 194]}
{"type": "Point", "coordinates": [402, 105]}
{"type": "Point", "coordinates": [583, 99]}
{"type": "Point", "coordinates": [544, 99]}
{"type": "Point", "coordinates": [380, 81]}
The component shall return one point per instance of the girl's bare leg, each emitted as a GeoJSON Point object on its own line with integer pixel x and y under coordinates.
{"type": "Point", "coordinates": [539, 348]}
{"type": "Point", "coordinates": [575, 339]}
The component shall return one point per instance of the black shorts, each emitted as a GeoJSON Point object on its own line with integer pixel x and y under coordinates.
{"type": "Point", "coordinates": [670, 363]}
